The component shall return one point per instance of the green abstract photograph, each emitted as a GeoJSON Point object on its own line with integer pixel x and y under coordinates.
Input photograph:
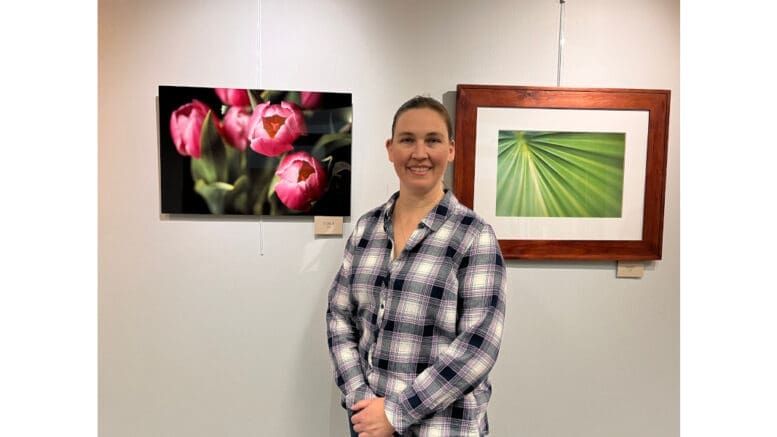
{"type": "Point", "coordinates": [560, 174]}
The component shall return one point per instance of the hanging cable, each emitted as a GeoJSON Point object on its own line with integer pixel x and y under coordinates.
{"type": "Point", "coordinates": [560, 41]}
{"type": "Point", "coordinates": [261, 237]}
{"type": "Point", "coordinates": [259, 48]}
{"type": "Point", "coordinates": [259, 85]}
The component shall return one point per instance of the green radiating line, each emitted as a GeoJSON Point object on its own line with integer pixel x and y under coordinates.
{"type": "Point", "coordinates": [560, 174]}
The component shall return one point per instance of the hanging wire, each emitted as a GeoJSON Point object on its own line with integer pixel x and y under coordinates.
{"type": "Point", "coordinates": [261, 237]}
{"type": "Point", "coordinates": [259, 46]}
{"type": "Point", "coordinates": [560, 41]}
{"type": "Point", "coordinates": [259, 85]}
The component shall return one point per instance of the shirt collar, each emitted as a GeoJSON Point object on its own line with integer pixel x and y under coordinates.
{"type": "Point", "coordinates": [433, 220]}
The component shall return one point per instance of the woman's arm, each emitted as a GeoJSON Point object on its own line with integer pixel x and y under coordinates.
{"type": "Point", "coordinates": [341, 333]}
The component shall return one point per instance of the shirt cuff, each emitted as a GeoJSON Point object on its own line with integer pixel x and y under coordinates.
{"type": "Point", "coordinates": [394, 415]}
{"type": "Point", "coordinates": [361, 393]}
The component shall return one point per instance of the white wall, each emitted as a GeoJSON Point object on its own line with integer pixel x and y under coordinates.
{"type": "Point", "coordinates": [202, 335]}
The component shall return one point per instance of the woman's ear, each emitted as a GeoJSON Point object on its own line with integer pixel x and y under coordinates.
{"type": "Point", "coordinates": [388, 149]}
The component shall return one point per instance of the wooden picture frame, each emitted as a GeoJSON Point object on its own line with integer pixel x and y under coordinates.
{"type": "Point", "coordinates": [638, 232]}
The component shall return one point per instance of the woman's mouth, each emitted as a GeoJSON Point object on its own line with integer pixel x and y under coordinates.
{"type": "Point", "coordinates": [419, 169]}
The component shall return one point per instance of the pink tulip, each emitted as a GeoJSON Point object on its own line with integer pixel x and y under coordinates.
{"type": "Point", "coordinates": [186, 127]}
{"type": "Point", "coordinates": [236, 126]}
{"type": "Point", "coordinates": [274, 127]}
{"type": "Point", "coordinates": [310, 100]}
{"type": "Point", "coordinates": [302, 181]}
{"type": "Point", "coordinates": [233, 96]}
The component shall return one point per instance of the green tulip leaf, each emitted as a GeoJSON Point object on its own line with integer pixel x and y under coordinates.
{"type": "Point", "coordinates": [294, 97]}
{"type": "Point", "coordinates": [340, 117]}
{"type": "Point", "coordinates": [339, 167]}
{"type": "Point", "coordinates": [272, 96]}
{"type": "Point", "coordinates": [260, 178]}
{"type": "Point", "coordinates": [255, 97]}
{"type": "Point", "coordinates": [212, 164]}
{"type": "Point", "coordinates": [271, 186]}
{"type": "Point", "coordinates": [236, 163]}
{"type": "Point", "coordinates": [329, 143]}
{"type": "Point", "coordinates": [214, 194]}
{"type": "Point", "coordinates": [328, 121]}
{"type": "Point", "coordinates": [237, 198]}
{"type": "Point", "coordinates": [560, 174]}
{"type": "Point", "coordinates": [212, 146]}
{"type": "Point", "coordinates": [203, 170]}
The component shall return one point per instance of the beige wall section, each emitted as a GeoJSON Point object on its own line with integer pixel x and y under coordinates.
{"type": "Point", "coordinates": [201, 335]}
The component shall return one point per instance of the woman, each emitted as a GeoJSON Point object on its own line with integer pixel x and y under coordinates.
{"type": "Point", "coordinates": [416, 310]}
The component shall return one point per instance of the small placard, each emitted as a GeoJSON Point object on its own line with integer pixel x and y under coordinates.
{"type": "Point", "coordinates": [325, 225]}
{"type": "Point", "coordinates": [630, 269]}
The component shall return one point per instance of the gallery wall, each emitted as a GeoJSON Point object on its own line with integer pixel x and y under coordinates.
{"type": "Point", "coordinates": [216, 326]}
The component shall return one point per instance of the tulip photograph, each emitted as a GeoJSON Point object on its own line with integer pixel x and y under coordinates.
{"type": "Point", "coordinates": [234, 151]}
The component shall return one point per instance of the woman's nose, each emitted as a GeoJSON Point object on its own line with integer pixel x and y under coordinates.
{"type": "Point", "coordinates": [419, 150]}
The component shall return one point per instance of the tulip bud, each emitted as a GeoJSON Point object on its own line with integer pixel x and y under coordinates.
{"type": "Point", "coordinates": [236, 126]}
{"type": "Point", "coordinates": [186, 126]}
{"type": "Point", "coordinates": [302, 181]}
{"type": "Point", "coordinates": [233, 96]}
{"type": "Point", "coordinates": [274, 127]}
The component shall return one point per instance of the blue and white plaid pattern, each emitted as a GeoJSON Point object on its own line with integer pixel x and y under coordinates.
{"type": "Point", "coordinates": [422, 330]}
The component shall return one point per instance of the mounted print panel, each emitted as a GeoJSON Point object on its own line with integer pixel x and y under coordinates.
{"type": "Point", "coordinates": [565, 173]}
{"type": "Point", "coordinates": [228, 151]}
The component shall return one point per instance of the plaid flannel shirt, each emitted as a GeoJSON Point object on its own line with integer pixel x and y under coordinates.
{"type": "Point", "coordinates": [422, 330]}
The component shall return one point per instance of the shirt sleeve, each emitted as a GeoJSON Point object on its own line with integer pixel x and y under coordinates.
{"type": "Point", "coordinates": [468, 360]}
{"type": "Point", "coordinates": [342, 336]}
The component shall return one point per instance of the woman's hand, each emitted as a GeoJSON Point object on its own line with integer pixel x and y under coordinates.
{"type": "Point", "coordinates": [370, 419]}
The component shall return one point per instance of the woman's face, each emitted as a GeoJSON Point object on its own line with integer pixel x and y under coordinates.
{"type": "Point", "coordinates": [420, 150]}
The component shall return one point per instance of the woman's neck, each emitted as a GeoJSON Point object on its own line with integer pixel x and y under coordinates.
{"type": "Point", "coordinates": [415, 204]}
{"type": "Point", "coordinates": [409, 210]}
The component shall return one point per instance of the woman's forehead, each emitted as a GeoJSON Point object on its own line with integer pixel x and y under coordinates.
{"type": "Point", "coordinates": [421, 119]}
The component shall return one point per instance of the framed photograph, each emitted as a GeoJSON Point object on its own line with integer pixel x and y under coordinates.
{"type": "Point", "coordinates": [243, 152]}
{"type": "Point", "coordinates": [565, 173]}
